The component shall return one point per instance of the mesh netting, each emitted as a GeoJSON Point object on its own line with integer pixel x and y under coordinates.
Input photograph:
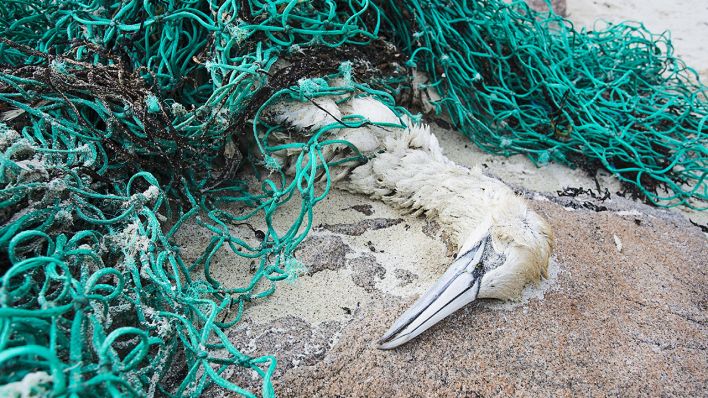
{"type": "Point", "coordinates": [124, 120]}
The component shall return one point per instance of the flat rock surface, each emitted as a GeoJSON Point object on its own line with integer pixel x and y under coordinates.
{"type": "Point", "coordinates": [624, 316]}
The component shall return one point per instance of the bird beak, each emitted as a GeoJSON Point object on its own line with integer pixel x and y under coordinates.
{"type": "Point", "coordinates": [457, 287]}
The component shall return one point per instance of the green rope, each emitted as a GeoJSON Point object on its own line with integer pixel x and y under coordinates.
{"type": "Point", "coordinates": [124, 121]}
{"type": "Point", "coordinates": [516, 83]}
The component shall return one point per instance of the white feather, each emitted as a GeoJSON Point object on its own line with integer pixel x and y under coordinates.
{"type": "Point", "coordinates": [412, 172]}
{"type": "Point", "coordinates": [305, 115]}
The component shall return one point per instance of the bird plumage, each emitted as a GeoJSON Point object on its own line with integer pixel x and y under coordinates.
{"type": "Point", "coordinates": [503, 245]}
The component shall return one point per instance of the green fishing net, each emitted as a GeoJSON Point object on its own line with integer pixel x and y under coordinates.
{"type": "Point", "coordinates": [123, 121]}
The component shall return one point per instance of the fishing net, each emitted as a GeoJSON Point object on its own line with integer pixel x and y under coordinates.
{"type": "Point", "coordinates": [123, 121]}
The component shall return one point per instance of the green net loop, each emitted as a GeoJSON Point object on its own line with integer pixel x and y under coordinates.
{"type": "Point", "coordinates": [124, 121]}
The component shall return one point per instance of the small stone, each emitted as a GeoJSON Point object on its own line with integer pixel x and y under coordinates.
{"type": "Point", "coordinates": [618, 243]}
{"type": "Point", "coordinates": [320, 252]}
{"type": "Point", "coordinates": [405, 276]}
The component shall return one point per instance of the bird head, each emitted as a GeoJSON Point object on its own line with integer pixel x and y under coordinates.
{"type": "Point", "coordinates": [496, 262]}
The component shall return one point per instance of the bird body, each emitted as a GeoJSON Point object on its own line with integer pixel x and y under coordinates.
{"type": "Point", "coordinates": [503, 245]}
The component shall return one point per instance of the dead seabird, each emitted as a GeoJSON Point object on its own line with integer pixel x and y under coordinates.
{"type": "Point", "coordinates": [503, 244]}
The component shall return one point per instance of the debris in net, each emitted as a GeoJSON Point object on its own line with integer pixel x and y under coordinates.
{"type": "Point", "coordinates": [573, 192]}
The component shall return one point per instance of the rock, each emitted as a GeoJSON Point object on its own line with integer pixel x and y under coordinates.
{"type": "Point", "coordinates": [405, 276]}
{"type": "Point", "coordinates": [366, 209]}
{"type": "Point", "coordinates": [297, 342]}
{"type": "Point", "coordinates": [366, 272]}
{"type": "Point", "coordinates": [358, 228]}
{"type": "Point", "coordinates": [612, 323]}
{"type": "Point", "coordinates": [320, 252]}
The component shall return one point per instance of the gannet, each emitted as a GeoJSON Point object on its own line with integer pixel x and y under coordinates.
{"type": "Point", "coordinates": [503, 245]}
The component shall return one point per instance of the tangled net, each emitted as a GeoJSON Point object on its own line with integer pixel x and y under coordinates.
{"type": "Point", "coordinates": [122, 121]}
